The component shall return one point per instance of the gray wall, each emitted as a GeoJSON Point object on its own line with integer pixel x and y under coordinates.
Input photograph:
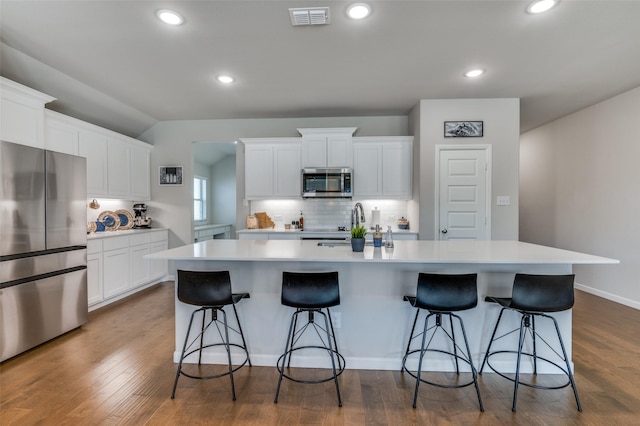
{"type": "Point", "coordinates": [171, 206]}
{"type": "Point", "coordinates": [501, 130]}
{"type": "Point", "coordinates": [223, 192]}
{"type": "Point", "coordinates": [578, 191]}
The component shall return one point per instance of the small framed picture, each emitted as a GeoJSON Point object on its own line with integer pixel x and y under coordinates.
{"type": "Point", "coordinates": [463, 129]}
{"type": "Point", "coordinates": [170, 175]}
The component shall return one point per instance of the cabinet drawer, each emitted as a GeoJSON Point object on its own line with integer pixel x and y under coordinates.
{"type": "Point", "coordinates": [138, 239]}
{"type": "Point", "coordinates": [158, 236]}
{"type": "Point", "coordinates": [94, 246]}
{"type": "Point", "coordinates": [114, 243]}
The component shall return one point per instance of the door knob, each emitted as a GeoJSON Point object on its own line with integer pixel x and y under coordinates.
{"type": "Point", "coordinates": [444, 231]}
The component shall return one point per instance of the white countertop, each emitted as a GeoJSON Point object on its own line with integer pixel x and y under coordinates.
{"type": "Point", "coordinates": [119, 233]}
{"type": "Point", "coordinates": [212, 225]}
{"type": "Point", "coordinates": [418, 251]}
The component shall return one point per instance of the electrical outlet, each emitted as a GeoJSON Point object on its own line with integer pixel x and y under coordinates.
{"type": "Point", "coordinates": [277, 218]}
{"type": "Point", "coordinates": [336, 317]}
{"type": "Point", "coordinates": [503, 200]}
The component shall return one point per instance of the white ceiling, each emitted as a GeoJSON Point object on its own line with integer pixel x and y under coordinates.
{"type": "Point", "coordinates": [114, 64]}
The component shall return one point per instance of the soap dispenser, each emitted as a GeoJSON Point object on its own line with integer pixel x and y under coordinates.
{"type": "Point", "coordinates": [389, 238]}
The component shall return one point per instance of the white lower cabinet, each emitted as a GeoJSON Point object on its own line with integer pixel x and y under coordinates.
{"type": "Point", "coordinates": [115, 258]}
{"type": "Point", "coordinates": [116, 266]}
{"type": "Point", "coordinates": [94, 271]}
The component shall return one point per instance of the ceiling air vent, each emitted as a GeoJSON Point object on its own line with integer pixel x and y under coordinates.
{"type": "Point", "coordinates": [309, 15]}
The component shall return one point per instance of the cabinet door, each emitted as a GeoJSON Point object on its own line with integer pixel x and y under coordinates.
{"type": "Point", "coordinates": [367, 176]}
{"type": "Point", "coordinates": [139, 266]}
{"type": "Point", "coordinates": [60, 136]}
{"type": "Point", "coordinates": [119, 167]}
{"type": "Point", "coordinates": [116, 271]}
{"type": "Point", "coordinates": [286, 169]}
{"type": "Point", "coordinates": [314, 151]}
{"type": "Point", "coordinates": [93, 146]}
{"type": "Point", "coordinates": [258, 171]}
{"type": "Point", "coordinates": [94, 278]}
{"type": "Point", "coordinates": [339, 150]}
{"type": "Point", "coordinates": [158, 268]}
{"type": "Point", "coordinates": [140, 173]}
{"type": "Point", "coordinates": [396, 170]}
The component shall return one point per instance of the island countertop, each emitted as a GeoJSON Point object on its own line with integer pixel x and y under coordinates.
{"type": "Point", "coordinates": [374, 321]}
{"type": "Point", "coordinates": [421, 251]}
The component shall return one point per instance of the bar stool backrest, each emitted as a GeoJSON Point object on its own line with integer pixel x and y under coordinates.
{"type": "Point", "coordinates": [310, 290]}
{"type": "Point", "coordinates": [204, 288]}
{"type": "Point", "coordinates": [542, 293]}
{"type": "Point", "coordinates": [447, 293]}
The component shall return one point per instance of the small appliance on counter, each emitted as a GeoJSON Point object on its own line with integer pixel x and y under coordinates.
{"type": "Point", "coordinates": [140, 219]}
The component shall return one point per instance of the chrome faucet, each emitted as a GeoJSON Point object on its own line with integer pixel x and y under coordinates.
{"type": "Point", "coordinates": [357, 219]}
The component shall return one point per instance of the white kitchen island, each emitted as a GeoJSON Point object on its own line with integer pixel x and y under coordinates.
{"type": "Point", "coordinates": [372, 321]}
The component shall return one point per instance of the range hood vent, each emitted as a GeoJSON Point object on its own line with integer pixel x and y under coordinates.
{"type": "Point", "coordinates": [309, 15]}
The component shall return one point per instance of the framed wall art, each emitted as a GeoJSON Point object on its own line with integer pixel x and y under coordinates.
{"type": "Point", "coordinates": [170, 175]}
{"type": "Point", "coordinates": [463, 129]}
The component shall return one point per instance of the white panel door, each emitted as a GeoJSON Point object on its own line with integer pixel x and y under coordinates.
{"type": "Point", "coordinates": [463, 195]}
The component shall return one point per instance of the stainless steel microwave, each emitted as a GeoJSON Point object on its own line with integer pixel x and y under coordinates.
{"type": "Point", "coordinates": [326, 183]}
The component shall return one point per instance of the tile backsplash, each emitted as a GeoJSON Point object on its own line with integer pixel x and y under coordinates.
{"type": "Point", "coordinates": [329, 213]}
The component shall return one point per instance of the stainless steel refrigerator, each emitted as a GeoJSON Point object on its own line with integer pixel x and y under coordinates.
{"type": "Point", "coordinates": [43, 240]}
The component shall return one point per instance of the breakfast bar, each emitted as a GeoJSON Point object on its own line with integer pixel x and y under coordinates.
{"type": "Point", "coordinates": [372, 322]}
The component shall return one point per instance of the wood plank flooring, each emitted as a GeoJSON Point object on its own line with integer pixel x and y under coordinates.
{"type": "Point", "coordinates": [117, 369]}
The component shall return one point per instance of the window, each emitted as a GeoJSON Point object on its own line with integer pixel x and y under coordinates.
{"type": "Point", "coordinates": [199, 199]}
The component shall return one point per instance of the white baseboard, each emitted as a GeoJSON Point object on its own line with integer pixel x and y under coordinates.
{"type": "Point", "coordinates": [609, 296]}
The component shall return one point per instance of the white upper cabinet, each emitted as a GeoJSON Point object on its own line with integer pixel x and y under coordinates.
{"type": "Point", "coordinates": [140, 172]}
{"type": "Point", "coordinates": [329, 147]}
{"type": "Point", "coordinates": [93, 146]}
{"type": "Point", "coordinates": [272, 168]}
{"type": "Point", "coordinates": [382, 167]}
{"type": "Point", "coordinates": [22, 114]}
{"type": "Point", "coordinates": [118, 168]}
{"type": "Point", "coordinates": [60, 134]}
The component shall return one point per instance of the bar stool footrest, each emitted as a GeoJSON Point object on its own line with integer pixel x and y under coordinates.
{"type": "Point", "coordinates": [440, 385]}
{"type": "Point", "coordinates": [238, 367]}
{"type": "Point", "coordinates": [530, 355]}
{"type": "Point", "coordinates": [339, 370]}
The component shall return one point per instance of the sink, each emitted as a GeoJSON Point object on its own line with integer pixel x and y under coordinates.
{"type": "Point", "coordinates": [340, 243]}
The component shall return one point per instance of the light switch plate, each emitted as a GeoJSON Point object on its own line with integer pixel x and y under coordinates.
{"type": "Point", "coordinates": [503, 200]}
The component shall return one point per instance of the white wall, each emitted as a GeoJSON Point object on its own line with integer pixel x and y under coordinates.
{"type": "Point", "coordinates": [501, 130]}
{"type": "Point", "coordinates": [223, 192]}
{"type": "Point", "coordinates": [579, 191]}
{"type": "Point", "coordinates": [172, 140]}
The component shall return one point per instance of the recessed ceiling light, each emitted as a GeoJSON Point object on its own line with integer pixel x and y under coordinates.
{"type": "Point", "coordinates": [226, 79]}
{"type": "Point", "coordinates": [358, 11]}
{"type": "Point", "coordinates": [474, 73]}
{"type": "Point", "coordinates": [539, 6]}
{"type": "Point", "coordinates": [170, 17]}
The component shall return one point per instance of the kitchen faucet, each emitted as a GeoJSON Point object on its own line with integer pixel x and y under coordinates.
{"type": "Point", "coordinates": [356, 219]}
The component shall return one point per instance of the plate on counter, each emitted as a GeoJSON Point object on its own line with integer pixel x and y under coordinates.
{"type": "Point", "coordinates": [110, 220]}
{"type": "Point", "coordinates": [126, 219]}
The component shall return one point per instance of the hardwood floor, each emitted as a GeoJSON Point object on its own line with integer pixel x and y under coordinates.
{"type": "Point", "coordinates": [117, 369]}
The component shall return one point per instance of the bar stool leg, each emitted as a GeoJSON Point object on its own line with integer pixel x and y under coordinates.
{"type": "Point", "coordinates": [493, 335]}
{"type": "Point", "coordinates": [286, 348]}
{"type": "Point", "coordinates": [184, 349]}
{"type": "Point", "coordinates": [228, 348]}
{"type": "Point", "coordinates": [413, 328]}
{"type": "Point", "coordinates": [244, 343]}
{"type": "Point", "coordinates": [455, 349]}
{"type": "Point", "coordinates": [533, 334]}
{"type": "Point", "coordinates": [204, 318]}
{"type": "Point", "coordinates": [566, 361]}
{"type": "Point", "coordinates": [331, 354]}
{"type": "Point", "coordinates": [474, 372]}
{"type": "Point", "coordinates": [335, 342]}
{"type": "Point", "coordinates": [517, 379]}
{"type": "Point", "coordinates": [422, 352]}
{"type": "Point", "coordinates": [295, 327]}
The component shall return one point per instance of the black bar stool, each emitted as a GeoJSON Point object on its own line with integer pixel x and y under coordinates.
{"type": "Point", "coordinates": [442, 295]}
{"type": "Point", "coordinates": [310, 293]}
{"type": "Point", "coordinates": [211, 290]}
{"type": "Point", "coordinates": [532, 296]}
